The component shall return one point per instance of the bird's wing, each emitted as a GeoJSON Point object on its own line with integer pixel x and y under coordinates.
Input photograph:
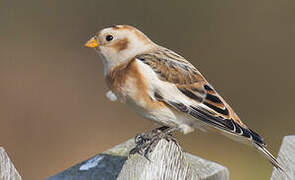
{"type": "Point", "coordinates": [204, 103]}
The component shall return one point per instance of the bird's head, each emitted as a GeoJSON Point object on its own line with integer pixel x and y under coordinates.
{"type": "Point", "coordinates": [119, 44]}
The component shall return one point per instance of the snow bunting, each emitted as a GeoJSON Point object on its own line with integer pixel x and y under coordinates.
{"type": "Point", "coordinates": [164, 87]}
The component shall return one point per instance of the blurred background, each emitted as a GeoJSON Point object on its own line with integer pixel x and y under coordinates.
{"type": "Point", "coordinates": [53, 109]}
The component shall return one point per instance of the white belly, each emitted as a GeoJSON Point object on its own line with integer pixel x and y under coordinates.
{"type": "Point", "coordinates": [165, 116]}
{"type": "Point", "coordinates": [138, 91]}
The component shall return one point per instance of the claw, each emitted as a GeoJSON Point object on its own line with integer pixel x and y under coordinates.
{"type": "Point", "coordinates": [139, 139]}
{"type": "Point", "coordinates": [133, 151]}
{"type": "Point", "coordinates": [146, 142]}
{"type": "Point", "coordinates": [146, 155]}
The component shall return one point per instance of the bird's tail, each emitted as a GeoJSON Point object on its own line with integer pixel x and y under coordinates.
{"type": "Point", "coordinates": [268, 155]}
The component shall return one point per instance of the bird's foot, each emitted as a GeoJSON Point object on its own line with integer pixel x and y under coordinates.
{"type": "Point", "coordinates": [146, 142]}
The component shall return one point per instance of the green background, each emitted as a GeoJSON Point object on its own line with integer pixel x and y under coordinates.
{"type": "Point", "coordinates": [53, 109]}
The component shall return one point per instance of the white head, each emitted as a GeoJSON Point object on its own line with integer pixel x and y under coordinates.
{"type": "Point", "coordinates": [119, 44]}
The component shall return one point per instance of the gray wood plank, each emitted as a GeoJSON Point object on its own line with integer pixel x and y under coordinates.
{"type": "Point", "coordinates": [286, 158]}
{"type": "Point", "coordinates": [167, 162]}
{"type": "Point", "coordinates": [7, 169]}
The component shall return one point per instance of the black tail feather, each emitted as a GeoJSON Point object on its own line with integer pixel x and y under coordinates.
{"type": "Point", "coordinates": [269, 156]}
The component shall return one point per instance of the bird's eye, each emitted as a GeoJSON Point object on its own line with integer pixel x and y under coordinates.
{"type": "Point", "coordinates": [109, 37]}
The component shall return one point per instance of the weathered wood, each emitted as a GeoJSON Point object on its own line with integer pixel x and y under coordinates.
{"type": "Point", "coordinates": [167, 162]}
{"type": "Point", "coordinates": [7, 169]}
{"type": "Point", "coordinates": [286, 158]}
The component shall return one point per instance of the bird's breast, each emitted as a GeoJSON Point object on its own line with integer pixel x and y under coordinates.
{"type": "Point", "coordinates": [131, 87]}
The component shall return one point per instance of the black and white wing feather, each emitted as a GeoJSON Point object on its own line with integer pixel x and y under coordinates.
{"type": "Point", "coordinates": [205, 104]}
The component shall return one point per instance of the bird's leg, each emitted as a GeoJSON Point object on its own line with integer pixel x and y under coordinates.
{"type": "Point", "coordinates": [146, 142]}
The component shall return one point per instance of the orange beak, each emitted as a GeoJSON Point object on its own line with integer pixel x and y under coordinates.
{"type": "Point", "coordinates": [92, 43]}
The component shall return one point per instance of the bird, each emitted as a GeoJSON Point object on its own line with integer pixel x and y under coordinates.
{"type": "Point", "coordinates": [164, 87]}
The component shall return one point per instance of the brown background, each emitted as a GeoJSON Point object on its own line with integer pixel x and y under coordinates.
{"type": "Point", "coordinates": [53, 109]}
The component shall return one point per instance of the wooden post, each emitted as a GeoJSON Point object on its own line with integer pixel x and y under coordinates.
{"type": "Point", "coordinates": [167, 161]}
{"type": "Point", "coordinates": [287, 159]}
{"type": "Point", "coordinates": [7, 169]}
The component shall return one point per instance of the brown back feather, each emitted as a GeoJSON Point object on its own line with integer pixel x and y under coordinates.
{"type": "Point", "coordinates": [173, 68]}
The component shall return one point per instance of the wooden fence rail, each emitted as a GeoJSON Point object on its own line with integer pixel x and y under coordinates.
{"type": "Point", "coordinates": [7, 169]}
{"type": "Point", "coordinates": [287, 158]}
{"type": "Point", "coordinates": [167, 161]}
